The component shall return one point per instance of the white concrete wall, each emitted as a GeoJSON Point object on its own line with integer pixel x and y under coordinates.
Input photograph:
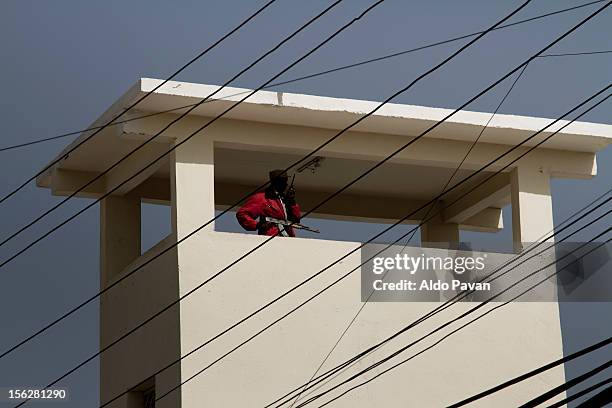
{"type": "Point", "coordinates": [508, 342]}
{"type": "Point", "coordinates": [498, 347]}
{"type": "Point", "coordinates": [514, 340]}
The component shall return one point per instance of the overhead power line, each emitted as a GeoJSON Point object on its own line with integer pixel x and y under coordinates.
{"type": "Point", "coordinates": [479, 184]}
{"type": "Point", "coordinates": [359, 120]}
{"type": "Point", "coordinates": [330, 375]}
{"type": "Point", "coordinates": [191, 377]}
{"type": "Point", "coordinates": [448, 323]}
{"type": "Point", "coordinates": [599, 400]}
{"type": "Point", "coordinates": [77, 132]}
{"type": "Point", "coordinates": [195, 289]}
{"type": "Point", "coordinates": [100, 175]}
{"type": "Point", "coordinates": [143, 97]}
{"type": "Point", "coordinates": [368, 61]}
{"type": "Point", "coordinates": [208, 100]}
{"type": "Point", "coordinates": [431, 208]}
{"type": "Point", "coordinates": [492, 276]}
{"type": "Point", "coordinates": [582, 393]}
{"type": "Point", "coordinates": [329, 38]}
{"type": "Point", "coordinates": [171, 364]}
{"type": "Point", "coordinates": [354, 20]}
{"type": "Point", "coordinates": [566, 385]}
{"type": "Point", "coordinates": [174, 121]}
{"type": "Point", "coordinates": [296, 308]}
{"type": "Point", "coordinates": [259, 333]}
{"type": "Point", "coordinates": [571, 54]}
{"type": "Point", "coordinates": [532, 373]}
{"type": "Point", "coordinates": [331, 285]}
{"type": "Point", "coordinates": [168, 306]}
{"type": "Point", "coordinates": [423, 338]}
{"type": "Point", "coordinates": [429, 347]}
{"type": "Point", "coordinates": [326, 288]}
{"type": "Point", "coordinates": [225, 211]}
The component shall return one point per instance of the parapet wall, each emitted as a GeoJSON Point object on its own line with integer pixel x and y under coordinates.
{"type": "Point", "coordinates": [507, 342]}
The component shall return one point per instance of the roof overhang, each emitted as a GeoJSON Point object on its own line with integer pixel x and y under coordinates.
{"type": "Point", "coordinates": [325, 113]}
{"type": "Point", "coordinates": [337, 113]}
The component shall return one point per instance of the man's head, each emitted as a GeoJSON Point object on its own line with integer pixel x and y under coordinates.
{"type": "Point", "coordinates": [279, 179]}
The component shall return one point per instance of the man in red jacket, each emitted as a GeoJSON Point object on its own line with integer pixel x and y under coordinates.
{"type": "Point", "coordinates": [277, 201]}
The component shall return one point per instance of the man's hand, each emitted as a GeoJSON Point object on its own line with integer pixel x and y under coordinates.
{"type": "Point", "coordinates": [290, 196]}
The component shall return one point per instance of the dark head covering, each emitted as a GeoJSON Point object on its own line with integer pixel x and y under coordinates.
{"type": "Point", "coordinates": [275, 174]}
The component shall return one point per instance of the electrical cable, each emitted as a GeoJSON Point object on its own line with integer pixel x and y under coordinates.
{"type": "Point", "coordinates": [99, 129]}
{"type": "Point", "coordinates": [40, 238]}
{"type": "Point", "coordinates": [457, 298]}
{"type": "Point", "coordinates": [456, 170]}
{"type": "Point", "coordinates": [156, 135]}
{"type": "Point", "coordinates": [206, 100]}
{"type": "Point", "coordinates": [314, 296]}
{"type": "Point", "coordinates": [268, 326]}
{"type": "Point", "coordinates": [568, 54]}
{"type": "Point", "coordinates": [115, 283]}
{"type": "Point", "coordinates": [272, 237]}
{"type": "Point", "coordinates": [533, 373]}
{"type": "Point", "coordinates": [565, 386]}
{"type": "Point", "coordinates": [194, 289]}
{"type": "Point", "coordinates": [384, 57]}
{"type": "Point", "coordinates": [581, 393]}
{"type": "Point", "coordinates": [598, 400]}
{"type": "Point", "coordinates": [351, 22]}
{"type": "Point", "coordinates": [207, 223]}
{"type": "Point", "coordinates": [521, 156]}
{"type": "Point", "coordinates": [332, 373]}
{"type": "Point", "coordinates": [448, 303]}
{"type": "Point", "coordinates": [294, 288]}
{"type": "Point", "coordinates": [448, 323]}
{"type": "Point", "coordinates": [371, 367]}
{"type": "Point", "coordinates": [423, 75]}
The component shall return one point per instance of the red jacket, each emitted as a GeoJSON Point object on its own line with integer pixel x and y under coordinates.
{"type": "Point", "coordinates": [266, 204]}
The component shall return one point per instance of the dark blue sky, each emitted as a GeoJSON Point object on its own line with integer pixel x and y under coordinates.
{"type": "Point", "coordinates": [64, 62]}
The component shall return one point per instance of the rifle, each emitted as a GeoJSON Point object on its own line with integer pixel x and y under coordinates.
{"type": "Point", "coordinates": [290, 188]}
{"type": "Point", "coordinates": [295, 225]}
{"type": "Point", "coordinates": [290, 224]}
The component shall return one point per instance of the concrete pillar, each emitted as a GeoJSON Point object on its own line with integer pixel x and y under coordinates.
{"type": "Point", "coordinates": [193, 186]}
{"type": "Point", "coordinates": [532, 212]}
{"type": "Point", "coordinates": [437, 231]}
{"type": "Point", "coordinates": [119, 235]}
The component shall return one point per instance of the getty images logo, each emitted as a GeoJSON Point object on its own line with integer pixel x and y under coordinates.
{"type": "Point", "coordinates": [412, 264]}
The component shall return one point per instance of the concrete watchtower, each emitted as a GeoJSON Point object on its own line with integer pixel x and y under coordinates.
{"type": "Point", "coordinates": [230, 158]}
